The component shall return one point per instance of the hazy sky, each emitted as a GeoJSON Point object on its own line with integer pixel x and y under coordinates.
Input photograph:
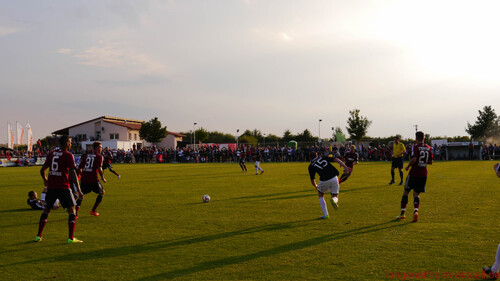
{"type": "Point", "coordinates": [246, 64]}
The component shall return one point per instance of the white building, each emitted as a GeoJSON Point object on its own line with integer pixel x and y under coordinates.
{"type": "Point", "coordinates": [115, 133]}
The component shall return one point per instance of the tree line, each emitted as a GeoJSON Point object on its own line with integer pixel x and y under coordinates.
{"type": "Point", "coordinates": [487, 125]}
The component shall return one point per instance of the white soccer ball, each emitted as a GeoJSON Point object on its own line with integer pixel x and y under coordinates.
{"type": "Point", "coordinates": [206, 198]}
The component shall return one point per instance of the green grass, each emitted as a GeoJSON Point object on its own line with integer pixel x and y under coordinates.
{"type": "Point", "coordinates": [154, 226]}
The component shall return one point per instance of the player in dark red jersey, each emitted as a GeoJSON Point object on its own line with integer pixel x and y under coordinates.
{"type": "Point", "coordinates": [90, 169]}
{"type": "Point", "coordinates": [243, 157]}
{"type": "Point", "coordinates": [492, 271]}
{"type": "Point", "coordinates": [421, 156]}
{"type": "Point", "coordinates": [350, 159]}
{"type": "Point", "coordinates": [61, 165]}
{"type": "Point", "coordinates": [328, 178]}
{"type": "Point", "coordinates": [108, 156]}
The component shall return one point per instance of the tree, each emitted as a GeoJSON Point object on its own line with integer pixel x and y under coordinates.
{"type": "Point", "coordinates": [218, 137]}
{"type": "Point", "coordinates": [202, 135]}
{"type": "Point", "coordinates": [272, 139]}
{"type": "Point", "coordinates": [287, 136]}
{"type": "Point", "coordinates": [487, 124]}
{"type": "Point", "coordinates": [357, 126]}
{"type": "Point", "coordinates": [305, 136]}
{"type": "Point", "coordinates": [248, 139]}
{"type": "Point", "coordinates": [152, 131]}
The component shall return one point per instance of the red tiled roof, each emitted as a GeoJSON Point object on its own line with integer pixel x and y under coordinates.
{"type": "Point", "coordinates": [132, 126]}
{"type": "Point", "coordinates": [128, 123]}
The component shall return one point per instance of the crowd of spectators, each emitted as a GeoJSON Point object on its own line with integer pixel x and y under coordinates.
{"type": "Point", "coordinates": [215, 154]}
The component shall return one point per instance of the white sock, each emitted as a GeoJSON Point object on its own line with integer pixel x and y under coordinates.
{"type": "Point", "coordinates": [335, 199]}
{"type": "Point", "coordinates": [322, 204]}
{"type": "Point", "coordinates": [496, 266]}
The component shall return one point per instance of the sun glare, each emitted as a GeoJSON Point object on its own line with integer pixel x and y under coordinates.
{"type": "Point", "coordinates": [449, 38]}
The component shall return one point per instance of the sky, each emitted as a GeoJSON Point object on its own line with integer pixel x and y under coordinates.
{"type": "Point", "coordinates": [270, 65]}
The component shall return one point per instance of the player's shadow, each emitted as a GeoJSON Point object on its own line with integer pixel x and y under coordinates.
{"type": "Point", "coordinates": [17, 210]}
{"type": "Point", "coordinates": [133, 249]}
{"type": "Point", "coordinates": [210, 265]}
{"type": "Point", "coordinates": [264, 197]}
{"type": "Point", "coordinates": [270, 195]}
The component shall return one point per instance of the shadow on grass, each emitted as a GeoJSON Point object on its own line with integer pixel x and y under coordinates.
{"type": "Point", "coordinates": [272, 195]}
{"type": "Point", "coordinates": [347, 189]}
{"type": "Point", "coordinates": [16, 210]}
{"type": "Point", "coordinates": [34, 222]}
{"type": "Point", "coordinates": [134, 249]}
{"type": "Point", "coordinates": [210, 265]}
{"type": "Point", "coordinates": [264, 196]}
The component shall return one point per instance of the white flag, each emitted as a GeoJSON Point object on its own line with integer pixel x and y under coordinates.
{"type": "Point", "coordinates": [30, 137]}
{"type": "Point", "coordinates": [20, 133]}
{"type": "Point", "coordinates": [11, 137]}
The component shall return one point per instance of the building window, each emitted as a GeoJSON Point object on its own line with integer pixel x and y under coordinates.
{"type": "Point", "coordinates": [135, 136]}
{"type": "Point", "coordinates": [98, 135]}
{"type": "Point", "coordinates": [130, 136]}
{"type": "Point", "coordinates": [114, 136]}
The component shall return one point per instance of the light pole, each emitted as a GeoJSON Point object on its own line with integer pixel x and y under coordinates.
{"type": "Point", "coordinates": [194, 134]}
{"type": "Point", "coordinates": [264, 140]}
{"type": "Point", "coordinates": [237, 138]}
{"type": "Point", "coordinates": [416, 127]}
{"type": "Point", "coordinates": [334, 137]}
{"type": "Point", "coordinates": [319, 131]}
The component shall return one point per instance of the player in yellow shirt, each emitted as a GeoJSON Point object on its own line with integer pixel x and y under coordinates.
{"type": "Point", "coordinates": [398, 150]}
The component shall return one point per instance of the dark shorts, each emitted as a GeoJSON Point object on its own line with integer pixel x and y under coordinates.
{"type": "Point", "coordinates": [242, 161]}
{"type": "Point", "coordinates": [415, 183]}
{"type": "Point", "coordinates": [96, 187]}
{"type": "Point", "coordinates": [106, 165]}
{"type": "Point", "coordinates": [65, 196]}
{"type": "Point", "coordinates": [397, 162]}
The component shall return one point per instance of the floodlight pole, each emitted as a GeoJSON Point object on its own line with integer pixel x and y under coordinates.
{"type": "Point", "coordinates": [194, 134]}
{"type": "Point", "coordinates": [319, 132]}
{"type": "Point", "coordinates": [237, 137]}
{"type": "Point", "coordinates": [264, 140]}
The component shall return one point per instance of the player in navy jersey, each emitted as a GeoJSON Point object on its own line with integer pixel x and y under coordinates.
{"type": "Point", "coordinates": [350, 159]}
{"type": "Point", "coordinates": [492, 271]}
{"type": "Point", "coordinates": [242, 161]}
{"type": "Point", "coordinates": [258, 159]}
{"type": "Point", "coordinates": [108, 156]}
{"type": "Point", "coordinates": [421, 156]}
{"type": "Point", "coordinates": [90, 169]}
{"type": "Point", "coordinates": [34, 202]}
{"type": "Point", "coordinates": [328, 178]}
{"type": "Point", "coordinates": [61, 165]}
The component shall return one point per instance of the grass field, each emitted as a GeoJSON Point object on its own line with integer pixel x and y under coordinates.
{"type": "Point", "coordinates": [154, 226]}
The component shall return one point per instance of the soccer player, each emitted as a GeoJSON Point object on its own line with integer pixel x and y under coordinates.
{"type": "Point", "coordinates": [328, 178]}
{"type": "Point", "coordinates": [492, 271]}
{"type": "Point", "coordinates": [242, 161]}
{"type": "Point", "coordinates": [61, 165]}
{"type": "Point", "coordinates": [34, 202]}
{"type": "Point", "coordinates": [421, 156]}
{"type": "Point", "coordinates": [351, 158]}
{"type": "Point", "coordinates": [39, 204]}
{"type": "Point", "coordinates": [398, 150]}
{"type": "Point", "coordinates": [258, 159]}
{"type": "Point", "coordinates": [108, 155]}
{"type": "Point", "coordinates": [91, 168]}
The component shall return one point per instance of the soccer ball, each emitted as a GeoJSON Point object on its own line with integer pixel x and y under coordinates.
{"type": "Point", "coordinates": [206, 198]}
